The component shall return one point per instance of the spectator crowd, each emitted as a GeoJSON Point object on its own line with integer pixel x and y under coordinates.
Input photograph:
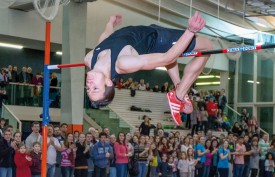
{"type": "Point", "coordinates": [142, 154]}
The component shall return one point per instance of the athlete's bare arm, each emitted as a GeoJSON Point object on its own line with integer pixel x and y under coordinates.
{"type": "Point", "coordinates": [114, 21]}
{"type": "Point", "coordinates": [132, 63]}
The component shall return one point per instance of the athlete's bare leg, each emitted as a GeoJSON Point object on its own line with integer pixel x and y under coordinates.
{"type": "Point", "coordinates": [173, 71]}
{"type": "Point", "coordinates": [194, 67]}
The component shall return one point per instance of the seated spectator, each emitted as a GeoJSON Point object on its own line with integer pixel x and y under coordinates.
{"type": "Point", "coordinates": [141, 86]}
{"type": "Point", "coordinates": [156, 88]}
{"type": "Point", "coordinates": [128, 83]}
{"type": "Point", "coordinates": [147, 86]}
{"type": "Point", "coordinates": [145, 126]}
{"type": "Point", "coordinates": [252, 124]}
{"type": "Point", "coordinates": [24, 77]}
{"type": "Point", "coordinates": [245, 115]}
{"type": "Point", "coordinates": [165, 88]}
{"type": "Point", "coordinates": [119, 84]}
{"type": "Point", "coordinates": [237, 129]}
{"type": "Point", "coordinates": [171, 88]}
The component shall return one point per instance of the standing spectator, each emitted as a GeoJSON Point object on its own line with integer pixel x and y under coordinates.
{"type": "Point", "coordinates": [3, 96]}
{"type": "Point", "coordinates": [34, 136]}
{"type": "Point", "coordinates": [63, 129]}
{"type": "Point", "coordinates": [57, 134]}
{"type": "Point", "coordinates": [252, 124]}
{"type": "Point", "coordinates": [156, 88]}
{"type": "Point", "coordinates": [9, 73]}
{"type": "Point", "coordinates": [264, 146]}
{"type": "Point", "coordinates": [195, 115]}
{"type": "Point", "coordinates": [254, 158]}
{"type": "Point", "coordinates": [14, 75]}
{"type": "Point", "coordinates": [17, 138]}
{"type": "Point", "coordinates": [201, 103]}
{"type": "Point", "coordinates": [269, 164]}
{"type": "Point", "coordinates": [122, 155]}
{"type": "Point", "coordinates": [239, 157]}
{"type": "Point", "coordinates": [54, 91]}
{"type": "Point", "coordinates": [212, 110]}
{"type": "Point", "coordinates": [163, 167]}
{"type": "Point", "coordinates": [141, 154]}
{"type": "Point", "coordinates": [76, 135]}
{"type": "Point", "coordinates": [222, 100]}
{"type": "Point", "coordinates": [90, 160]}
{"type": "Point", "coordinates": [6, 154]}
{"type": "Point", "coordinates": [53, 147]}
{"type": "Point", "coordinates": [68, 154]}
{"type": "Point", "coordinates": [22, 161]}
{"type": "Point", "coordinates": [201, 153]}
{"type": "Point", "coordinates": [145, 126]}
{"type": "Point", "coordinates": [113, 171]}
{"type": "Point", "coordinates": [102, 152]}
{"type": "Point", "coordinates": [209, 158]}
{"type": "Point", "coordinates": [215, 152]}
{"type": "Point", "coordinates": [183, 165]}
{"type": "Point", "coordinates": [246, 156]}
{"type": "Point", "coordinates": [36, 160]}
{"type": "Point", "coordinates": [4, 77]}
{"type": "Point", "coordinates": [185, 145]}
{"type": "Point", "coordinates": [153, 157]}
{"type": "Point", "coordinates": [2, 126]}
{"type": "Point", "coordinates": [224, 157]}
{"type": "Point", "coordinates": [204, 119]}
{"type": "Point", "coordinates": [37, 80]}
{"type": "Point", "coordinates": [24, 77]}
{"type": "Point", "coordinates": [29, 71]}
{"type": "Point", "coordinates": [82, 154]}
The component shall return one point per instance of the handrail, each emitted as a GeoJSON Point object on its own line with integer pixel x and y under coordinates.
{"type": "Point", "coordinates": [131, 127]}
{"type": "Point", "coordinates": [32, 85]}
{"type": "Point", "coordinates": [16, 118]}
{"type": "Point", "coordinates": [233, 110]}
{"type": "Point", "coordinates": [241, 114]}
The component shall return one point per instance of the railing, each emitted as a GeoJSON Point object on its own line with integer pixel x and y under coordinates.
{"type": "Point", "coordinates": [239, 120]}
{"type": "Point", "coordinates": [132, 128]}
{"type": "Point", "coordinates": [13, 120]}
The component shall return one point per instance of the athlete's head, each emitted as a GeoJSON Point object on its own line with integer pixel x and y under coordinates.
{"type": "Point", "coordinates": [100, 89]}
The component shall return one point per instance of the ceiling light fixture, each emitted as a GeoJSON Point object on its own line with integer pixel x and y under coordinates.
{"type": "Point", "coordinates": [58, 53]}
{"type": "Point", "coordinates": [208, 83]}
{"type": "Point", "coordinates": [11, 45]}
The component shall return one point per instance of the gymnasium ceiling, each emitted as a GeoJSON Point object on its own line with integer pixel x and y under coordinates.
{"type": "Point", "coordinates": [233, 20]}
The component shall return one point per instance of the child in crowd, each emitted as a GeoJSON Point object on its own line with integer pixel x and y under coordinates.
{"type": "Point", "coordinates": [22, 161]}
{"type": "Point", "coordinates": [176, 161]}
{"type": "Point", "coordinates": [183, 165]}
{"type": "Point", "coordinates": [163, 168]}
{"type": "Point", "coordinates": [254, 158]}
{"type": "Point", "coordinates": [269, 164]}
{"type": "Point", "coordinates": [191, 162]}
{"type": "Point", "coordinates": [36, 160]}
{"type": "Point", "coordinates": [171, 167]}
{"type": "Point", "coordinates": [154, 158]}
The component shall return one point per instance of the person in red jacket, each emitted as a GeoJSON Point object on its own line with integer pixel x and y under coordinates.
{"type": "Point", "coordinates": [212, 110]}
{"type": "Point", "coordinates": [23, 161]}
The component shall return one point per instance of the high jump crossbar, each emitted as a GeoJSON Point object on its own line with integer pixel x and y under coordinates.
{"type": "Point", "coordinates": [187, 54]}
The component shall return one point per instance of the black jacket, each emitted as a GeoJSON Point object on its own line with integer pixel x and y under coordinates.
{"type": "Point", "coordinates": [6, 154]}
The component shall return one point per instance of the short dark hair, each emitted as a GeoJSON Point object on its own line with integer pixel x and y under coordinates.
{"type": "Point", "coordinates": [35, 123]}
{"type": "Point", "coordinates": [102, 134]}
{"type": "Point", "coordinates": [63, 124]}
{"type": "Point", "coordinates": [3, 119]}
{"type": "Point", "coordinates": [109, 95]}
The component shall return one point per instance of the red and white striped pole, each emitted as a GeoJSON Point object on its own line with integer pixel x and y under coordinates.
{"type": "Point", "coordinates": [187, 54]}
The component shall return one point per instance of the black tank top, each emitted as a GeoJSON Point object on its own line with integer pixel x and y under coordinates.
{"type": "Point", "coordinates": [141, 38]}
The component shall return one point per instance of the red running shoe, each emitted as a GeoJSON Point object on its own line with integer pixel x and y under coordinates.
{"type": "Point", "coordinates": [187, 105]}
{"type": "Point", "coordinates": [175, 106]}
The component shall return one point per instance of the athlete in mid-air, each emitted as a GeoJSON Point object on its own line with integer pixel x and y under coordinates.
{"type": "Point", "coordinates": [135, 48]}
